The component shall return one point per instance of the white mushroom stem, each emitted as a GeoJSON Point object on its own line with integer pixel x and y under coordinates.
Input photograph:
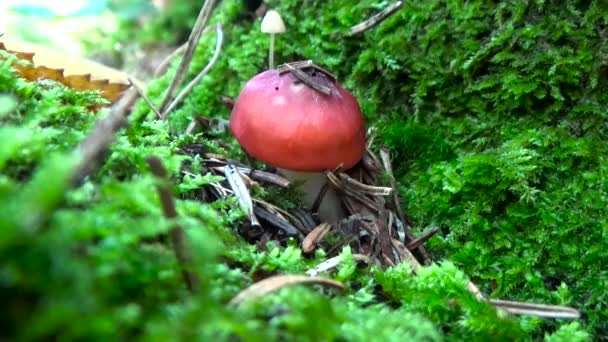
{"type": "Point", "coordinates": [271, 52]}
{"type": "Point", "coordinates": [330, 209]}
{"type": "Point", "coordinates": [272, 24]}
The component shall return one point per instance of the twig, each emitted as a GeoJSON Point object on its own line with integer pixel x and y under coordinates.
{"type": "Point", "coordinates": [538, 310]}
{"type": "Point", "coordinates": [197, 79]}
{"type": "Point", "coordinates": [164, 65]}
{"type": "Point", "coordinates": [376, 18]}
{"type": "Point", "coordinates": [195, 36]}
{"type": "Point", "coordinates": [143, 96]}
{"type": "Point", "coordinates": [278, 222]}
{"type": "Point", "coordinates": [178, 238]}
{"type": "Point", "coordinates": [92, 148]}
{"type": "Point", "coordinates": [309, 81]}
{"type": "Point", "coordinates": [419, 241]}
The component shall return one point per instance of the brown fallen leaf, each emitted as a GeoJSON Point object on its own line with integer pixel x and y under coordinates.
{"type": "Point", "coordinates": [275, 283]}
{"type": "Point", "coordinates": [74, 72]}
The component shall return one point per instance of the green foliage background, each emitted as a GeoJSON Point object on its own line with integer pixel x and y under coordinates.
{"type": "Point", "coordinates": [495, 113]}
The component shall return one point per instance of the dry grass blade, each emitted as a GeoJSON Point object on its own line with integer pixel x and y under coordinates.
{"type": "Point", "coordinates": [332, 263]}
{"type": "Point", "coordinates": [260, 176]}
{"type": "Point", "coordinates": [354, 193]}
{"type": "Point", "coordinates": [216, 54]}
{"type": "Point", "coordinates": [364, 188]}
{"type": "Point", "coordinates": [538, 310]}
{"type": "Point", "coordinates": [376, 19]}
{"type": "Point", "coordinates": [312, 239]}
{"type": "Point", "coordinates": [276, 283]}
{"type": "Point", "coordinates": [287, 67]}
{"type": "Point", "coordinates": [195, 36]}
{"type": "Point", "coordinates": [241, 192]}
{"type": "Point", "coordinates": [164, 65]}
{"type": "Point", "coordinates": [309, 81]}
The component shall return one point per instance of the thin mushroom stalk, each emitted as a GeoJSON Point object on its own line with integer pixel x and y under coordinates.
{"type": "Point", "coordinates": [271, 52]}
{"type": "Point", "coordinates": [330, 208]}
{"type": "Point", "coordinates": [272, 24]}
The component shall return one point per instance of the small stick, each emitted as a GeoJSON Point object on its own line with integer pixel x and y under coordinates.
{"type": "Point", "coordinates": [195, 36]}
{"type": "Point", "coordinates": [309, 81]}
{"type": "Point", "coordinates": [164, 65]}
{"type": "Point", "coordinates": [376, 19]}
{"type": "Point", "coordinates": [197, 79]}
{"type": "Point", "coordinates": [417, 242]}
{"type": "Point", "coordinates": [178, 238]}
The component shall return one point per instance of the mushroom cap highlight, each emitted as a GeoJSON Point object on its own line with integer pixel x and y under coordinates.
{"type": "Point", "coordinates": [283, 122]}
{"type": "Point", "coordinates": [272, 22]}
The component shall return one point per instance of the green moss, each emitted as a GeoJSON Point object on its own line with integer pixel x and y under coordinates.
{"type": "Point", "coordinates": [494, 114]}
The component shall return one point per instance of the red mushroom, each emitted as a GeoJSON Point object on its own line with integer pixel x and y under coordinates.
{"type": "Point", "coordinates": [283, 122]}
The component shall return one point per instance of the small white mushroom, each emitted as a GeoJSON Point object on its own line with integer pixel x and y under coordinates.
{"type": "Point", "coordinates": [272, 24]}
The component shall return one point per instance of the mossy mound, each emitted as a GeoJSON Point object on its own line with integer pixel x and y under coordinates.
{"type": "Point", "coordinates": [495, 112]}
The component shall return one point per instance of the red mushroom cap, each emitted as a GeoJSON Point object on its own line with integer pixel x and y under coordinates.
{"type": "Point", "coordinates": [285, 123]}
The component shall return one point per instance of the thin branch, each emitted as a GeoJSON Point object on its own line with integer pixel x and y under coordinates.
{"type": "Point", "coordinates": [419, 241]}
{"type": "Point", "coordinates": [195, 36]}
{"type": "Point", "coordinates": [376, 19]}
{"type": "Point", "coordinates": [91, 150]}
{"type": "Point", "coordinates": [199, 77]}
{"type": "Point", "coordinates": [164, 64]}
{"type": "Point", "coordinates": [178, 238]}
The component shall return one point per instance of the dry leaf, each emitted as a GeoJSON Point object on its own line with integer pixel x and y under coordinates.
{"type": "Point", "coordinates": [74, 72]}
